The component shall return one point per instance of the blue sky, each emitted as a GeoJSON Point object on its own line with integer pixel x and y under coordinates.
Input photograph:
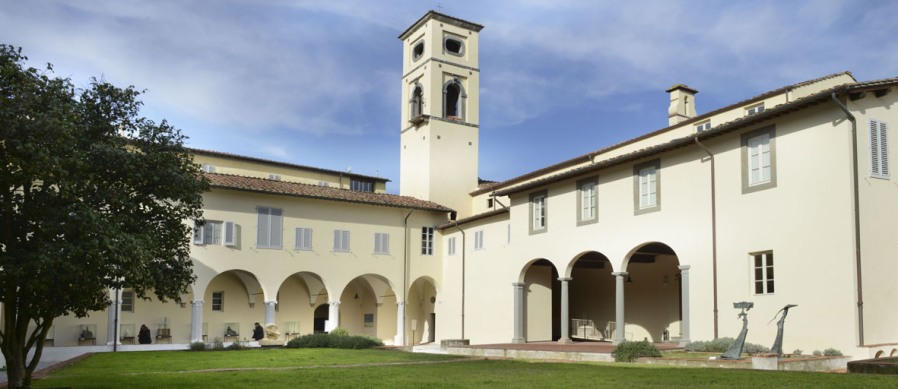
{"type": "Point", "coordinates": [318, 82]}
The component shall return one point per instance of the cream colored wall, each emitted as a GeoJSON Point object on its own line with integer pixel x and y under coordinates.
{"type": "Point", "coordinates": [538, 301]}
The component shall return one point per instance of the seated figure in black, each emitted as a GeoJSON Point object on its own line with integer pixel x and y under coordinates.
{"type": "Point", "coordinates": [143, 336]}
{"type": "Point", "coordinates": [258, 332]}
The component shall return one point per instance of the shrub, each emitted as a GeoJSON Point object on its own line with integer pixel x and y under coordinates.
{"type": "Point", "coordinates": [334, 341]}
{"type": "Point", "coordinates": [217, 344]}
{"type": "Point", "coordinates": [753, 348]}
{"type": "Point", "coordinates": [628, 351]}
{"type": "Point", "coordinates": [197, 346]}
{"type": "Point", "coordinates": [339, 331]}
{"type": "Point", "coordinates": [817, 353]}
{"type": "Point", "coordinates": [237, 345]}
{"type": "Point", "coordinates": [831, 352]}
{"type": "Point", "coordinates": [797, 351]}
{"type": "Point", "coordinates": [721, 345]}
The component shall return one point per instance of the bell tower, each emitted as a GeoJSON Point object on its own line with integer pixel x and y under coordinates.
{"type": "Point", "coordinates": [440, 111]}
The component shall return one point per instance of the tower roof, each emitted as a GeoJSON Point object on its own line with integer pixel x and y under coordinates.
{"type": "Point", "coordinates": [443, 18]}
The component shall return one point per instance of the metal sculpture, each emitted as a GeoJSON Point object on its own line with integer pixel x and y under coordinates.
{"type": "Point", "coordinates": [735, 350]}
{"type": "Point", "coordinates": [778, 342]}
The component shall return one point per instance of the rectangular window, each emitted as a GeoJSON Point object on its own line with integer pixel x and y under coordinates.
{"type": "Point", "coordinates": [270, 228]}
{"type": "Point", "coordinates": [426, 240]}
{"type": "Point", "coordinates": [759, 159]}
{"type": "Point", "coordinates": [361, 185]}
{"type": "Point", "coordinates": [647, 187]}
{"type": "Point", "coordinates": [451, 246]}
{"type": "Point", "coordinates": [208, 233]}
{"type": "Point", "coordinates": [381, 243]}
{"type": "Point", "coordinates": [703, 126]}
{"type": "Point", "coordinates": [341, 240]}
{"type": "Point", "coordinates": [538, 212]}
{"type": "Point", "coordinates": [763, 266]}
{"type": "Point", "coordinates": [218, 301]}
{"type": "Point", "coordinates": [587, 201]}
{"type": "Point", "coordinates": [879, 149]}
{"type": "Point", "coordinates": [303, 238]}
{"type": "Point", "coordinates": [478, 240]}
{"type": "Point", "coordinates": [230, 234]}
{"type": "Point", "coordinates": [754, 109]}
{"type": "Point", "coordinates": [127, 301]}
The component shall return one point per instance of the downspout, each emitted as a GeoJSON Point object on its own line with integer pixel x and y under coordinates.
{"type": "Point", "coordinates": [857, 221]}
{"type": "Point", "coordinates": [713, 229]}
{"type": "Point", "coordinates": [115, 322]}
{"type": "Point", "coordinates": [455, 224]}
{"type": "Point", "coordinates": [405, 250]}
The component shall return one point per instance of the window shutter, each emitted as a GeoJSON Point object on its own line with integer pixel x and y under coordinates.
{"type": "Point", "coordinates": [230, 234]}
{"type": "Point", "coordinates": [197, 233]}
{"type": "Point", "coordinates": [264, 226]}
{"type": "Point", "coordinates": [884, 149]}
{"type": "Point", "coordinates": [276, 229]}
{"type": "Point", "coordinates": [879, 149]}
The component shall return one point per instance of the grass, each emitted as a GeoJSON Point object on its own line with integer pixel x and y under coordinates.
{"type": "Point", "coordinates": [396, 369]}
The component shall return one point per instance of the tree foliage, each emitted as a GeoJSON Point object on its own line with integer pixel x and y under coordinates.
{"type": "Point", "coordinates": [92, 197]}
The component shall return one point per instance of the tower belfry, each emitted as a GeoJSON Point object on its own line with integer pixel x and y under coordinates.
{"type": "Point", "coordinates": [440, 111]}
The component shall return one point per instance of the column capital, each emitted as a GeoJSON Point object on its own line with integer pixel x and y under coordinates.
{"type": "Point", "coordinates": [564, 279]}
{"type": "Point", "coordinates": [517, 284]}
{"type": "Point", "coordinates": [197, 302]}
{"type": "Point", "coordinates": [400, 303]}
{"type": "Point", "coordinates": [684, 268]}
{"type": "Point", "coordinates": [271, 303]}
{"type": "Point", "coordinates": [619, 274]}
{"type": "Point", "coordinates": [334, 302]}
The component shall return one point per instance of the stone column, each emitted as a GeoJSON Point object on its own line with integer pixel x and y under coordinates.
{"type": "Point", "coordinates": [619, 331]}
{"type": "Point", "coordinates": [115, 310]}
{"type": "Point", "coordinates": [399, 340]}
{"type": "Point", "coordinates": [565, 311]}
{"type": "Point", "coordinates": [333, 316]}
{"type": "Point", "coordinates": [269, 313]}
{"type": "Point", "coordinates": [684, 285]}
{"type": "Point", "coordinates": [196, 321]}
{"type": "Point", "coordinates": [518, 313]}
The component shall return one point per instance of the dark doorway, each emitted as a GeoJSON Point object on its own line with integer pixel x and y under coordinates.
{"type": "Point", "coordinates": [321, 314]}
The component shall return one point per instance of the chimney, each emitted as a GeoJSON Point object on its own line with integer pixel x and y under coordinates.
{"type": "Point", "coordinates": [682, 104]}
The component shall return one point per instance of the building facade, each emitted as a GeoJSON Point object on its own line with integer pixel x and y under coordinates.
{"type": "Point", "coordinates": [783, 198]}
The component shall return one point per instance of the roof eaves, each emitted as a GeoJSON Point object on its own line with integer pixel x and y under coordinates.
{"type": "Point", "coordinates": [283, 164]}
{"type": "Point", "coordinates": [473, 218]}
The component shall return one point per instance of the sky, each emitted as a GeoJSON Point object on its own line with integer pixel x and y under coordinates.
{"type": "Point", "coordinates": [317, 83]}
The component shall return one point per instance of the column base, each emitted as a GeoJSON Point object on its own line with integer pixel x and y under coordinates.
{"type": "Point", "coordinates": [519, 340]}
{"type": "Point", "coordinates": [565, 341]}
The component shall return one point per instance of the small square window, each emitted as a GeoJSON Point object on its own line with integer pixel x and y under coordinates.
{"type": "Point", "coordinates": [703, 126]}
{"type": "Point", "coordinates": [381, 243]}
{"type": "Point", "coordinates": [756, 109]}
{"type": "Point", "coordinates": [303, 238]}
{"type": "Point", "coordinates": [341, 240]}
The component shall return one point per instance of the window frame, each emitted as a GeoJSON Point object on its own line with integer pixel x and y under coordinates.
{"type": "Point", "coordinates": [427, 240]}
{"type": "Point", "coordinates": [594, 183]}
{"type": "Point", "coordinates": [450, 246]}
{"type": "Point", "coordinates": [478, 240]}
{"type": "Point", "coordinates": [220, 299]}
{"type": "Point", "coordinates": [755, 109]}
{"type": "Point", "coordinates": [361, 185]}
{"type": "Point", "coordinates": [703, 126]}
{"type": "Point", "coordinates": [274, 218]}
{"type": "Point", "coordinates": [127, 307]}
{"type": "Point", "coordinates": [460, 102]}
{"type": "Point", "coordinates": [638, 207]}
{"type": "Point", "coordinates": [879, 149]}
{"type": "Point", "coordinates": [747, 185]}
{"type": "Point", "coordinates": [301, 241]}
{"type": "Point", "coordinates": [381, 243]}
{"type": "Point", "coordinates": [766, 283]}
{"type": "Point", "coordinates": [341, 241]}
{"type": "Point", "coordinates": [461, 45]}
{"type": "Point", "coordinates": [539, 212]}
{"type": "Point", "coordinates": [414, 46]}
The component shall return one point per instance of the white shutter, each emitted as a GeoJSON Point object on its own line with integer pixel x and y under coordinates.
{"type": "Point", "coordinates": [879, 149]}
{"type": "Point", "coordinates": [264, 226]}
{"type": "Point", "coordinates": [197, 233]}
{"type": "Point", "coordinates": [230, 234]}
{"type": "Point", "coordinates": [884, 149]}
{"type": "Point", "coordinates": [277, 231]}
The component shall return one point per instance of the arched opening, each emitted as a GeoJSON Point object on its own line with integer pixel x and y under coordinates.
{"type": "Point", "coordinates": [234, 301]}
{"type": "Point", "coordinates": [416, 102]}
{"type": "Point", "coordinates": [320, 318]}
{"type": "Point", "coordinates": [879, 354]}
{"type": "Point", "coordinates": [653, 296]}
{"type": "Point", "coordinates": [591, 297]}
{"type": "Point", "coordinates": [298, 297]}
{"type": "Point", "coordinates": [420, 312]}
{"type": "Point", "coordinates": [894, 352]}
{"type": "Point", "coordinates": [453, 100]}
{"type": "Point", "coordinates": [542, 302]}
{"type": "Point", "coordinates": [368, 307]}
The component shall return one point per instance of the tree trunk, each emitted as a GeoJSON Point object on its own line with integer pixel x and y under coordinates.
{"type": "Point", "coordinates": [15, 369]}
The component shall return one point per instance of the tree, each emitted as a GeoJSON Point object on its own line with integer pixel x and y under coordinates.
{"type": "Point", "coordinates": [92, 197]}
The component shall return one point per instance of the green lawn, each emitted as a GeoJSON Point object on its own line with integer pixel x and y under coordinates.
{"type": "Point", "coordinates": [349, 368]}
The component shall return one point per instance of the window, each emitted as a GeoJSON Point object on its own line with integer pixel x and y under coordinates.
{"type": "Point", "coordinates": [759, 160]}
{"type": "Point", "coordinates": [230, 234]}
{"type": "Point", "coordinates": [763, 266]}
{"type": "Point", "coordinates": [703, 126]}
{"type": "Point", "coordinates": [754, 109]}
{"type": "Point", "coordinates": [587, 201]}
{"type": "Point", "coordinates": [274, 177]}
{"type": "Point", "coordinates": [647, 181]}
{"type": "Point", "coordinates": [538, 212]}
{"type": "Point", "coordinates": [270, 223]}
{"type": "Point", "coordinates": [381, 243]}
{"type": "Point", "coordinates": [417, 51]}
{"type": "Point", "coordinates": [879, 149]}
{"type": "Point", "coordinates": [127, 301]}
{"type": "Point", "coordinates": [208, 233]}
{"type": "Point", "coordinates": [454, 46]}
{"type": "Point", "coordinates": [451, 246]}
{"type": "Point", "coordinates": [324, 184]}
{"type": "Point", "coordinates": [489, 203]}
{"type": "Point", "coordinates": [217, 301]}
{"type": "Point", "coordinates": [303, 238]}
{"type": "Point", "coordinates": [454, 100]}
{"type": "Point", "coordinates": [341, 240]}
{"type": "Point", "coordinates": [416, 103]}
{"type": "Point", "coordinates": [207, 168]}
{"type": "Point", "coordinates": [426, 240]}
{"type": "Point", "coordinates": [361, 185]}
{"type": "Point", "coordinates": [478, 240]}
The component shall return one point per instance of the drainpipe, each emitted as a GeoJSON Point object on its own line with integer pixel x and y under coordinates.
{"type": "Point", "coordinates": [405, 250]}
{"type": "Point", "coordinates": [455, 224]}
{"type": "Point", "coordinates": [857, 221]}
{"type": "Point", "coordinates": [713, 229]}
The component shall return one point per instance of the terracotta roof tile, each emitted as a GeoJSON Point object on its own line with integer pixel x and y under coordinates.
{"type": "Point", "coordinates": [293, 189]}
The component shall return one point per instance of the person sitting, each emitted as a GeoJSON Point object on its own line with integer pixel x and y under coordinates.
{"type": "Point", "coordinates": [258, 332]}
{"type": "Point", "coordinates": [143, 336]}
